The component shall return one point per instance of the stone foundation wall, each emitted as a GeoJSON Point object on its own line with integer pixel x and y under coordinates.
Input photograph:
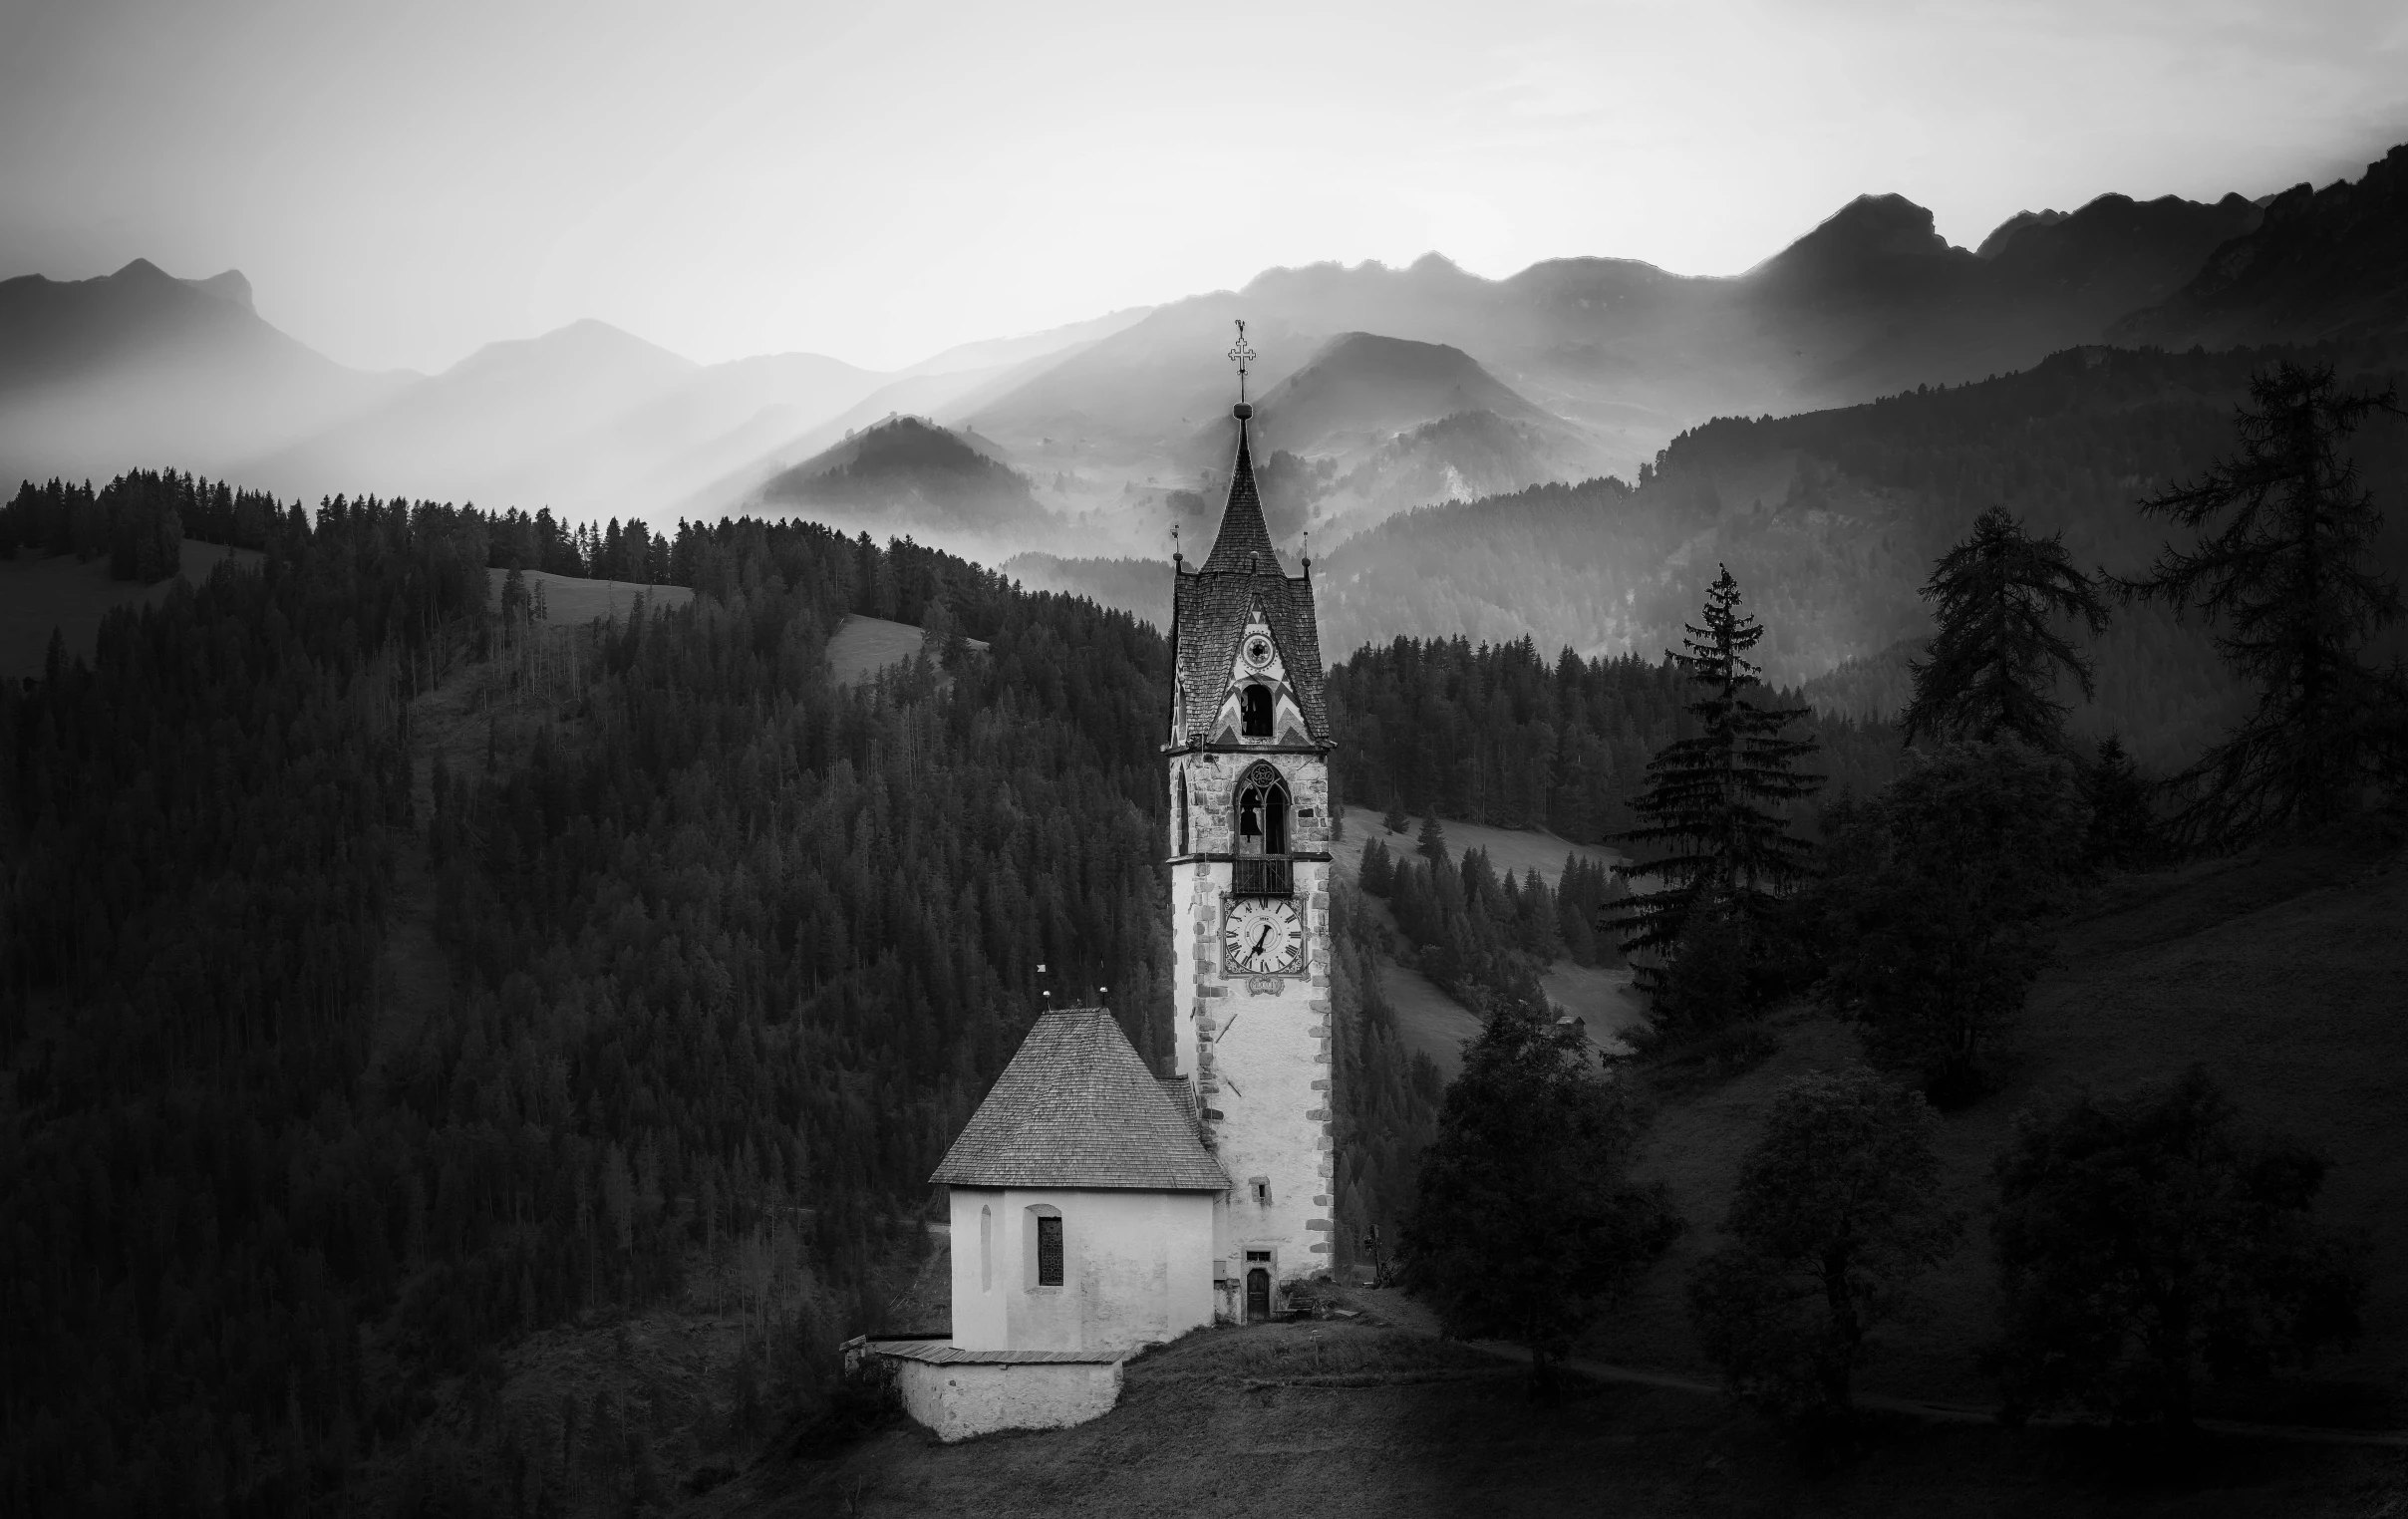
{"type": "Point", "coordinates": [963, 1400]}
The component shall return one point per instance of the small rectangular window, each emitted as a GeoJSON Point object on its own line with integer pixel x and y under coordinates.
{"type": "Point", "coordinates": [1049, 1250]}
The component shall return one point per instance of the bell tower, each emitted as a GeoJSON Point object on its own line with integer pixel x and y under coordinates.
{"type": "Point", "coordinates": [1248, 754]}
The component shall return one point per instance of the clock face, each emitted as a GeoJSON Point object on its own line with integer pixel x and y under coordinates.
{"type": "Point", "coordinates": [1264, 938]}
{"type": "Point", "coordinates": [1257, 651]}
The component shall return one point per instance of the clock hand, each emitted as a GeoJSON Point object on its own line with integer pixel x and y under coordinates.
{"type": "Point", "coordinates": [1264, 939]}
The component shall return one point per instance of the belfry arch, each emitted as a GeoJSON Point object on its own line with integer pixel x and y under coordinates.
{"type": "Point", "coordinates": [1262, 810]}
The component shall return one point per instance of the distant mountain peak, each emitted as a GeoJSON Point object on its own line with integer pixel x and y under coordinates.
{"type": "Point", "coordinates": [586, 340]}
{"type": "Point", "coordinates": [1871, 229]}
{"type": "Point", "coordinates": [2005, 231]}
{"type": "Point", "coordinates": [231, 287]}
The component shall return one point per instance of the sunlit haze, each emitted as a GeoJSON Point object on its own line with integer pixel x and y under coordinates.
{"type": "Point", "coordinates": [403, 182]}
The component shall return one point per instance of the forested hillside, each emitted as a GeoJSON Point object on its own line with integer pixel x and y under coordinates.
{"type": "Point", "coordinates": [1831, 522]}
{"type": "Point", "coordinates": [721, 957]}
{"type": "Point", "coordinates": [1497, 735]}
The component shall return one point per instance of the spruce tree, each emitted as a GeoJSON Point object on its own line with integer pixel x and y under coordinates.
{"type": "Point", "coordinates": [1996, 655]}
{"type": "Point", "coordinates": [1431, 845]}
{"type": "Point", "coordinates": [2283, 567]}
{"type": "Point", "coordinates": [1722, 851]}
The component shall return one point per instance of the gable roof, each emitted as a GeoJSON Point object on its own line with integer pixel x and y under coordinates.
{"type": "Point", "coordinates": [1241, 578]}
{"type": "Point", "coordinates": [1077, 1108]}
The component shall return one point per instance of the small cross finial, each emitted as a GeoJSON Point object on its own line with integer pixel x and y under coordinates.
{"type": "Point", "coordinates": [1241, 356]}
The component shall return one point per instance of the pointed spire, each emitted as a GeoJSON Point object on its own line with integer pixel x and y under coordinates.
{"type": "Point", "coordinates": [1244, 542]}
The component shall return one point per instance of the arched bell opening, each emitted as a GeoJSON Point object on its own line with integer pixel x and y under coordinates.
{"type": "Point", "coordinates": [1254, 712]}
{"type": "Point", "coordinates": [1262, 811]}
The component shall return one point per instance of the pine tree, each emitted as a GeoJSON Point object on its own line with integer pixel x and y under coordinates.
{"type": "Point", "coordinates": [2291, 582]}
{"type": "Point", "coordinates": [1378, 870]}
{"type": "Point", "coordinates": [1997, 652]}
{"type": "Point", "coordinates": [1725, 853]}
{"type": "Point", "coordinates": [1395, 818]}
{"type": "Point", "coordinates": [1431, 845]}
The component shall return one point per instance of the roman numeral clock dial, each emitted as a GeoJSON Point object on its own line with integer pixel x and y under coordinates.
{"type": "Point", "coordinates": [1263, 938]}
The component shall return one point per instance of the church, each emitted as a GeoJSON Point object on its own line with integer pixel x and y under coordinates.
{"type": "Point", "coordinates": [1098, 1207]}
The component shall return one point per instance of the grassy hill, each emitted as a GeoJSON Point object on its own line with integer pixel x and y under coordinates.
{"type": "Point", "coordinates": [1358, 1419]}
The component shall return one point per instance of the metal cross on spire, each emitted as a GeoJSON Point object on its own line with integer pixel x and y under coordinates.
{"type": "Point", "coordinates": [1241, 356]}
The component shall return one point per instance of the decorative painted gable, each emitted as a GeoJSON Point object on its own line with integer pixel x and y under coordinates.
{"type": "Point", "coordinates": [1258, 663]}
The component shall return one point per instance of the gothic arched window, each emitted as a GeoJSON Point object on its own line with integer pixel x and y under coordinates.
{"type": "Point", "coordinates": [1254, 709]}
{"type": "Point", "coordinates": [1262, 811]}
{"type": "Point", "coordinates": [1179, 839]}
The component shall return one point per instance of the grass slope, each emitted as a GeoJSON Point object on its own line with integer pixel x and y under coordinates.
{"type": "Point", "coordinates": [2280, 972]}
{"type": "Point", "coordinates": [43, 592]}
{"type": "Point", "coordinates": [568, 599]}
{"type": "Point", "coordinates": [863, 646]}
{"type": "Point", "coordinates": [1434, 1023]}
{"type": "Point", "coordinates": [1357, 1419]}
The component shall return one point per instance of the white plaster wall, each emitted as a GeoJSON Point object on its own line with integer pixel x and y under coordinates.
{"type": "Point", "coordinates": [961, 1400]}
{"type": "Point", "coordinates": [1136, 1270]}
{"type": "Point", "coordinates": [1261, 1059]}
{"type": "Point", "coordinates": [977, 1306]}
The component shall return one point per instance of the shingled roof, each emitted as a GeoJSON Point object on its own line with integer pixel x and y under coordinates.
{"type": "Point", "coordinates": [1244, 540]}
{"type": "Point", "coordinates": [1242, 577]}
{"type": "Point", "coordinates": [1077, 1108]}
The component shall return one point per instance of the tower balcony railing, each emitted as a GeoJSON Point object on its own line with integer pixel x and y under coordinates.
{"type": "Point", "coordinates": [1262, 876]}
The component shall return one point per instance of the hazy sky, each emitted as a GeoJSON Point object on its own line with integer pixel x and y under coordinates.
{"type": "Point", "coordinates": [402, 181]}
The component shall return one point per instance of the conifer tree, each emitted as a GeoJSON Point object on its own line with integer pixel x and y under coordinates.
{"type": "Point", "coordinates": [1378, 870]}
{"type": "Point", "coordinates": [2283, 568]}
{"type": "Point", "coordinates": [1431, 845]}
{"type": "Point", "coordinates": [1998, 652]}
{"type": "Point", "coordinates": [1708, 811]}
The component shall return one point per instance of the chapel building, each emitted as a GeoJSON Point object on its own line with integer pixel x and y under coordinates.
{"type": "Point", "coordinates": [1097, 1206]}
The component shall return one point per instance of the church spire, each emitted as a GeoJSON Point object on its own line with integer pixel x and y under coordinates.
{"type": "Point", "coordinates": [1244, 543]}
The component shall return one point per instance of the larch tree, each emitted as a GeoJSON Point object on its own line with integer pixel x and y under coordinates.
{"type": "Point", "coordinates": [2000, 598]}
{"type": "Point", "coordinates": [1720, 850]}
{"type": "Point", "coordinates": [2283, 567]}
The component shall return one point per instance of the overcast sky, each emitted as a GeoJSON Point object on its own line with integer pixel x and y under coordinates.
{"type": "Point", "coordinates": [404, 181]}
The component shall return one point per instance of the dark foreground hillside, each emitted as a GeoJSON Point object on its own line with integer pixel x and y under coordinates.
{"type": "Point", "coordinates": [2279, 971]}
{"type": "Point", "coordinates": [1342, 1419]}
